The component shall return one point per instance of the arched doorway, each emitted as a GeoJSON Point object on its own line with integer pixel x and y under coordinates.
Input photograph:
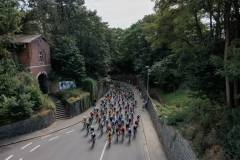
{"type": "Point", "coordinates": [43, 82]}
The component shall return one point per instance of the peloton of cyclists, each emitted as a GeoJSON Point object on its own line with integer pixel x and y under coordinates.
{"type": "Point", "coordinates": [115, 114]}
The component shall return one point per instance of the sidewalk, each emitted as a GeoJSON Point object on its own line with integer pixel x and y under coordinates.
{"type": "Point", "coordinates": [56, 126]}
{"type": "Point", "coordinates": [155, 148]}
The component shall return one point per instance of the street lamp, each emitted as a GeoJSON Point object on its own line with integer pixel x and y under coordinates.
{"type": "Point", "coordinates": [148, 74]}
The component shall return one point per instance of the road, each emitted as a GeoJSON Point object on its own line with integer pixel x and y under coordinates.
{"type": "Point", "coordinates": [73, 144]}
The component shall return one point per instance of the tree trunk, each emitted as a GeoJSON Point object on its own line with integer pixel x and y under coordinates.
{"type": "Point", "coordinates": [237, 35]}
{"type": "Point", "coordinates": [210, 10]}
{"type": "Point", "coordinates": [217, 18]}
{"type": "Point", "coordinates": [227, 43]}
{"type": "Point", "coordinates": [237, 16]}
{"type": "Point", "coordinates": [236, 101]}
{"type": "Point", "coordinates": [198, 27]}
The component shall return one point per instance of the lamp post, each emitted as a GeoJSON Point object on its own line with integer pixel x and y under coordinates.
{"type": "Point", "coordinates": [148, 74]}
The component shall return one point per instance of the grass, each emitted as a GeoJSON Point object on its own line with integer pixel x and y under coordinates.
{"type": "Point", "coordinates": [177, 98]}
{"type": "Point", "coordinates": [212, 129]}
{"type": "Point", "coordinates": [73, 95]}
{"type": "Point", "coordinates": [173, 109]}
{"type": "Point", "coordinates": [47, 103]}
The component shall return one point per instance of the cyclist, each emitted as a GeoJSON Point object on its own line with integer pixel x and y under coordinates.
{"type": "Point", "coordinates": [84, 122]}
{"type": "Point", "coordinates": [118, 131]}
{"type": "Point", "coordinates": [90, 119]}
{"type": "Point", "coordinates": [93, 137]}
{"type": "Point", "coordinates": [136, 123]}
{"type": "Point", "coordinates": [123, 132]}
{"type": "Point", "coordinates": [138, 117]}
{"type": "Point", "coordinates": [101, 127]}
{"type": "Point", "coordinates": [91, 130]}
{"type": "Point", "coordinates": [109, 136]}
{"type": "Point", "coordinates": [134, 130]}
{"type": "Point", "coordinates": [87, 126]}
{"type": "Point", "coordinates": [127, 125]}
{"type": "Point", "coordinates": [108, 128]}
{"type": "Point", "coordinates": [129, 134]}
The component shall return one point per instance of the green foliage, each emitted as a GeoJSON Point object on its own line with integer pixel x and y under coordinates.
{"type": "Point", "coordinates": [231, 67]}
{"type": "Point", "coordinates": [20, 95]}
{"type": "Point", "coordinates": [90, 85]}
{"type": "Point", "coordinates": [72, 95]}
{"type": "Point", "coordinates": [177, 98]}
{"type": "Point", "coordinates": [67, 59]}
{"type": "Point", "coordinates": [228, 132]}
{"type": "Point", "coordinates": [80, 42]}
{"type": "Point", "coordinates": [203, 122]}
{"type": "Point", "coordinates": [233, 141]}
{"type": "Point", "coordinates": [47, 103]}
{"type": "Point", "coordinates": [166, 74]}
{"type": "Point", "coordinates": [174, 110]}
{"type": "Point", "coordinates": [10, 23]}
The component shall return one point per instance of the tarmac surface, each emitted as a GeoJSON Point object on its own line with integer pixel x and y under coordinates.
{"type": "Point", "coordinates": [72, 143]}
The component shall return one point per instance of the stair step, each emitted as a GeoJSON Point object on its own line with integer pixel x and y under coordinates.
{"type": "Point", "coordinates": [60, 110]}
{"type": "Point", "coordinates": [60, 113]}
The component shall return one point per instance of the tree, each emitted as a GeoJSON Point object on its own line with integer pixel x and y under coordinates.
{"type": "Point", "coordinates": [67, 59]}
{"type": "Point", "coordinates": [85, 28]}
{"type": "Point", "coordinates": [9, 24]}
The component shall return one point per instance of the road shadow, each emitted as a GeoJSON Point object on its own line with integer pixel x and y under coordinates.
{"type": "Point", "coordinates": [91, 147]}
{"type": "Point", "coordinates": [116, 141]}
{"type": "Point", "coordinates": [109, 146]}
{"type": "Point", "coordinates": [86, 135]}
{"type": "Point", "coordinates": [134, 137]}
{"type": "Point", "coordinates": [100, 135]}
{"type": "Point", "coordinates": [122, 140]}
{"type": "Point", "coordinates": [83, 128]}
{"type": "Point", "coordinates": [129, 142]}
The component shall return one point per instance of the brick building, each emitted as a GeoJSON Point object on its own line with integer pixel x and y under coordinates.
{"type": "Point", "coordinates": [34, 55]}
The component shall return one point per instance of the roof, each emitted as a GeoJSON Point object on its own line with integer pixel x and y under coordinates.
{"type": "Point", "coordinates": [25, 38]}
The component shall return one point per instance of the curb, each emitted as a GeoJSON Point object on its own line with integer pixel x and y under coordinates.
{"type": "Point", "coordinates": [27, 139]}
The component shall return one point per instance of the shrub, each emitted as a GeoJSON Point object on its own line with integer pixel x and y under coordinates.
{"type": "Point", "coordinates": [13, 109]}
{"type": "Point", "coordinates": [47, 103]}
{"type": "Point", "coordinates": [20, 94]}
{"type": "Point", "coordinates": [90, 85]}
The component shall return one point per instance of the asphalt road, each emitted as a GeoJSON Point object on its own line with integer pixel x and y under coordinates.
{"type": "Point", "coordinates": [73, 144]}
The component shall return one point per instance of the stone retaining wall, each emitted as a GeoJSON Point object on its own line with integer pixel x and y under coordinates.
{"type": "Point", "coordinates": [79, 107]}
{"type": "Point", "coordinates": [176, 147]}
{"type": "Point", "coordinates": [34, 123]}
{"type": "Point", "coordinates": [103, 87]}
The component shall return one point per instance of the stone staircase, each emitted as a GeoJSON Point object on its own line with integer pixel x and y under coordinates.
{"type": "Point", "coordinates": [60, 111]}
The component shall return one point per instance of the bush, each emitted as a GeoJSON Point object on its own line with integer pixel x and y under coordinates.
{"type": "Point", "coordinates": [166, 73]}
{"type": "Point", "coordinates": [13, 109]}
{"type": "Point", "coordinates": [20, 94]}
{"type": "Point", "coordinates": [175, 110]}
{"type": "Point", "coordinates": [47, 103]}
{"type": "Point", "coordinates": [72, 95]}
{"type": "Point", "coordinates": [90, 85]}
{"type": "Point", "coordinates": [233, 141]}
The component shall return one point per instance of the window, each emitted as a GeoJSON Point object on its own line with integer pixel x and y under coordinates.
{"type": "Point", "coordinates": [41, 57]}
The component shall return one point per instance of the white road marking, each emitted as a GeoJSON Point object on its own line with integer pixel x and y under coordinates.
{"type": "Point", "coordinates": [53, 138]}
{"type": "Point", "coordinates": [34, 148]}
{"type": "Point", "coordinates": [104, 149]}
{"type": "Point", "coordinates": [9, 157]}
{"type": "Point", "coordinates": [21, 159]}
{"type": "Point", "coordinates": [23, 147]}
{"type": "Point", "coordinates": [44, 137]}
{"type": "Point", "coordinates": [70, 131]}
{"type": "Point", "coordinates": [64, 130]}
